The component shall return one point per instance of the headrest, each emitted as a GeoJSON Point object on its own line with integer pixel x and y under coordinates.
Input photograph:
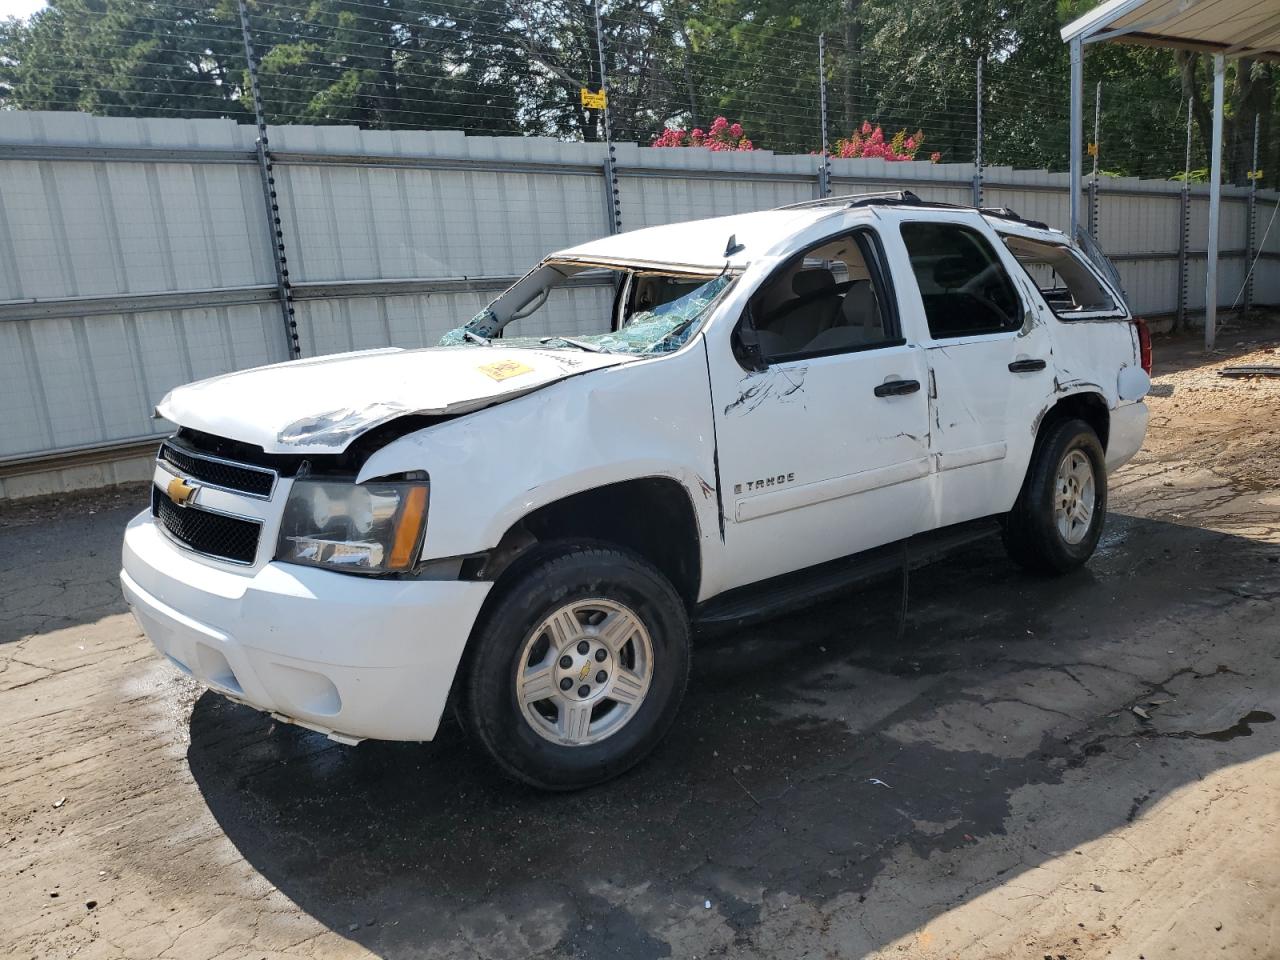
{"type": "Point", "coordinates": [815, 280]}
{"type": "Point", "coordinates": [859, 307]}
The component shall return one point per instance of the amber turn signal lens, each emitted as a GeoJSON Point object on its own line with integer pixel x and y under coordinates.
{"type": "Point", "coordinates": [409, 530]}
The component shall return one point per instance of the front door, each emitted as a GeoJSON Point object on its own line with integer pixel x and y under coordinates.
{"type": "Point", "coordinates": [823, 452]}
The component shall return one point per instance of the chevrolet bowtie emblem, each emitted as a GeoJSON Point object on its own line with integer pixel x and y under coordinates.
{"type": "Point", "coordinates": [180, 492]}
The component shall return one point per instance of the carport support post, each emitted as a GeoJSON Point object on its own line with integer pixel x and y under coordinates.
{"type": "Point", "coordinates": [1215, 202]}
{"type": "Point", "coordinates": [1077, 134]}
{"type": "Point", "coordinates": [824, 166]}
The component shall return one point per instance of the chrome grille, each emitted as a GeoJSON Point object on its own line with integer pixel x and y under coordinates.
{"type": "Point", "coordinates": [215, 534]}
{"type": "Point", "coordinates": [216, 472]}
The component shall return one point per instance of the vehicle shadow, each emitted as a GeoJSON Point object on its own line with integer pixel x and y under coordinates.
{"type": "Point", "coordinates": [811, 751]}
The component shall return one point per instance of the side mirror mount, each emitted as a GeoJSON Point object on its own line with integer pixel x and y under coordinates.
{"type": "Point", "coordinates": [747, 343]}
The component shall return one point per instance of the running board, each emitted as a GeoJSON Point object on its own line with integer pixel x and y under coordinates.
{"type": "Point", "coordinates": [777, 595]}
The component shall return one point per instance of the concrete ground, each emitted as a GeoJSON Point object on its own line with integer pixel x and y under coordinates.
{"type": "Point", "coordinates": [1073, 768]}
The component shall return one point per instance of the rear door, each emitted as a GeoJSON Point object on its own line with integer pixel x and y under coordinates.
{"type": "Point", "coordinates": [989, 362]}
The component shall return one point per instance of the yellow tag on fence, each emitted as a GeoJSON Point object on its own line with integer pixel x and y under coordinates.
{"type": "Point", "coordinates": [504, 369]}
{"type": "Point", "coordinates": [1093, 149]}
{"type": "Point", "coordinates": [593, 100]}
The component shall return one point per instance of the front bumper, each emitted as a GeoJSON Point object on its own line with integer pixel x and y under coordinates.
{"type": "Point", "coordinates": [352, 657]}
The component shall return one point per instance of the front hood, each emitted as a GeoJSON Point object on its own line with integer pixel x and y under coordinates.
{"type": "Point", "coordinates": [321, 405]}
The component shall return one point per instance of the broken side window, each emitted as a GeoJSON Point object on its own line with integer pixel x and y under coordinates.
{"type": "Point", "coordinates": [1067, 284]}
{"type": "Point", "coordinates": [654, 312]}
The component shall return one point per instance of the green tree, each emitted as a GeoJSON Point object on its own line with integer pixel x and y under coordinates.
{"type": "Point", "coordinates": [123, 58]}
{"type": "Point", "coordinates": [517, 66]}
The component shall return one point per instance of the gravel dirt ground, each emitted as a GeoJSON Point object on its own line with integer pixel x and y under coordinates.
{"type": "Point", "coordinates": [1062, 769]}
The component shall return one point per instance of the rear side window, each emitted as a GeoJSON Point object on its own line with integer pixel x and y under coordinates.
{"type": "Point", "coordinates": [1068, 285]}
{"type": "Point", "coordinates": [965, 288]}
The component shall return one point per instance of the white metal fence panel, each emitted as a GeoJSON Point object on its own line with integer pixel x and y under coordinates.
{"type": "Point", "coordinates": [73, 382]}
{"type": "Point", "coordinates": [135, 254]}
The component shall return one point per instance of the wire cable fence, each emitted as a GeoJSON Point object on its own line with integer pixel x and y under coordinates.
{"type": "Point", "coordinates": [671, 67]}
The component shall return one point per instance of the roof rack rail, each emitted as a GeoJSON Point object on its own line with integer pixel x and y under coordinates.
{"type": "Point", "coordinates": [1006, 213]}
{"type": "Point", "coordinates": [910, 199]}
{"type": "Point", "coordinates": [885, 197]}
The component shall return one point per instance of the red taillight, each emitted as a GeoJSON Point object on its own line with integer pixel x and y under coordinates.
{"type": "Point", "coordinates": [1144, 344]}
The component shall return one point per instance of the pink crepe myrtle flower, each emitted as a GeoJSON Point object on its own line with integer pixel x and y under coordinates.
{"type": "Point", "coordinates": [869, 141]}
{"type": "Point", "coordinates": [722, 136]}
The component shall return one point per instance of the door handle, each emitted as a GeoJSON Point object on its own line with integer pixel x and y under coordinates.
{"type": "Point", "coordinates": [897, 388]}
{"type": "Point", "coordinates": [1026, 366]}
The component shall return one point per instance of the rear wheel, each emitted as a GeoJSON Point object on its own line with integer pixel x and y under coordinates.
{"type": "Point", "coordinates": [1057, 520]}
{"type": "Point", "coordinates": [578, 667]}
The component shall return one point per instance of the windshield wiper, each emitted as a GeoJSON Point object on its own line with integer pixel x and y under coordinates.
{"type": "Point", "coordinates": [476, 338]}
{"type": "Point", "coordinates": [580, 344]}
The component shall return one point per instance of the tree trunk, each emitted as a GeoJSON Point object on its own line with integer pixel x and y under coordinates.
{"type": "Point", "coordinates": [690, 88]}
{"type": "Point", "coordinates": [389, 105]}
{"type": "Point", "coordinates": [1239, 136]}
{"type": "Point", "coordinates": [852, 63]}
{"type": "Point", "coordinates": [1268, 152]}
{"type": "Point", "coordinates": [1187, 64]}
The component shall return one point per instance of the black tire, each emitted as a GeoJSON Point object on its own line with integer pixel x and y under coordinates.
{"type": "Point", "coordinates": [1031, 534]}
{"type": "Point", "coordinates": [535, 587]}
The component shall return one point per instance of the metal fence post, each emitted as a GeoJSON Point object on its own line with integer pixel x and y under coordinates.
{"type": "Point", "coordinates": [1095, 148]}
{"type": "Point", "coordinates": [977, 144]}
{"type": "Point", "coordinates": [1252, 247]}
{"type": "Point", "coordinates": [613, 197]}
{"type": "Point", "coordinates": [1184, 235]}
{"type": "Point", "coordinates": [824, 167]}
{"type": "Point", "coordinates": [271, 203]}
{"type": "Point", "coordinates": [1211, 272]}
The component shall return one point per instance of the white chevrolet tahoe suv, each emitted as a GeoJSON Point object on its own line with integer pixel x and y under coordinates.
{"type": "Point", "coordinates": [527, 527]}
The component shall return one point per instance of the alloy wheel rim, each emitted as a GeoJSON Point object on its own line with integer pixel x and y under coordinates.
{"type": "Point", "coordinates": [584, 671]}
{"type": "Point", "coordinates": [1074, 495]}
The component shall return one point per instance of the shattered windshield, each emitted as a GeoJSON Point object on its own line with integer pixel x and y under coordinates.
{"type": "Point", "coordinates": [659, 314]}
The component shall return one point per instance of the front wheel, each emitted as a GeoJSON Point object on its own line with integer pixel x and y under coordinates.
{"type": "Point", "coordinates": [1057, 520]}
{"type": "Point", "coordinates": [578, 668]}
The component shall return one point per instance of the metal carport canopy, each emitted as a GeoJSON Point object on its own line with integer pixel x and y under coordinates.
{"type": "Point", "coordinates": [1224, 28]}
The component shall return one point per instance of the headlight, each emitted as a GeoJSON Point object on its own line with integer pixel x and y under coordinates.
{"type": "Point", "coordinates": [361, 528]}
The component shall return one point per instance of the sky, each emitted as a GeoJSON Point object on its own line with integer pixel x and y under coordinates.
{"type": "Point", "coordinates": [19, 8]}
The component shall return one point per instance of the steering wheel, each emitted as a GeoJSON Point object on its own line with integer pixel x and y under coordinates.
{"type": "Point", "coordinates": [981, 279]}
{"type": "Point", "coordinates": [997, 311]}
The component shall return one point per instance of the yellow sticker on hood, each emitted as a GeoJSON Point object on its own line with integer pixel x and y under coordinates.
{"type": "Point", "coordinates": [504, 369]}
